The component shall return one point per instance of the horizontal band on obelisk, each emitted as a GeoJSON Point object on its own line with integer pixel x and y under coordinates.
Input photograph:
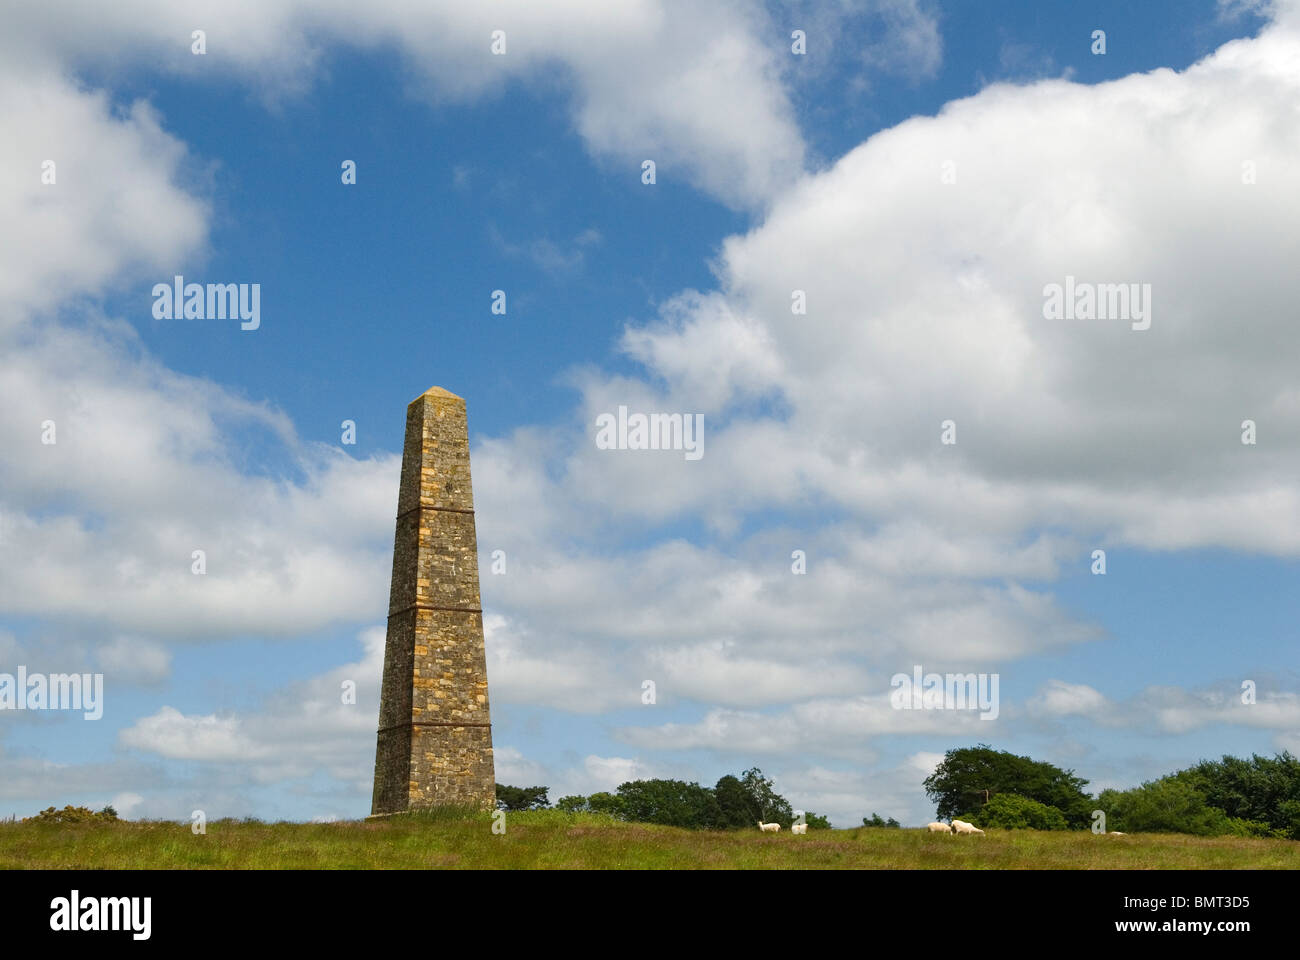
{"type": "Point", "coordinates": [425, 606]}
{"type": "Point", "coordinates": [427, 506]}
{"type": "Point", "coordinates": [432, 723]}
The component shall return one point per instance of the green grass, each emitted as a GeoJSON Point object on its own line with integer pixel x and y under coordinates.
{"type": "Point", "coordinates": [554, 840]}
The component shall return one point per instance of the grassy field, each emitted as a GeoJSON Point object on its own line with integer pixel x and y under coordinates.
{"type": "Point", "coordinates": [550, 839]}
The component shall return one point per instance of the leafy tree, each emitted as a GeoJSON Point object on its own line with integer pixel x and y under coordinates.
{"type": "Point", "coordinates": [1261, 789]}
{"type": "Point", "coordinates": [1010, 811]}
{"type": "Point", "coordinates": [816, 821]}
{"type": "Point", "coordinates": [969, 777]}
{"type": "Point", "coordinates": [673, 803]}
{"type": "Point", "coordinates": [1287, 820]}
{"type": "Point", "coordinates": [1234, 796]}
{"type": "Point", "coordinates": [1168, 805]}
{"type": "Point", "coordinates": [772, 807]}
{"type": "Point", "coordinates": [571, 804]}
{"type": "Point", "coordinates": [603, 802]}
{"type": "Point", "coordinates": [737, 808]}
{"type": "Point", "coordinates": [515, 799]}
{"type": "Point", "coordinates": [876, 820]}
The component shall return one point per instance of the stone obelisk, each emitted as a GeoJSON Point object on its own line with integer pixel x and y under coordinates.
{"type": "Point", "coordinates": [435, 740]}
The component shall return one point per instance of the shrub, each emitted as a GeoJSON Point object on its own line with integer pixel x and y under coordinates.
{"type": "Point", "coordinates": [1241, 827]}
{"type": "Point", "coordinates": [1010, 811]}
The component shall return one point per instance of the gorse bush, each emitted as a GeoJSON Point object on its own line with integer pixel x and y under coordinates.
{"type": "Point", "coordinates": [71, 814]}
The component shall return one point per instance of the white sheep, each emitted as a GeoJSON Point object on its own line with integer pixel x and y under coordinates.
{"type": "Point", "coordinates": [798, 828]}
{"type": "Point", "coordinates": [769, 827]}
{"type": "Point", "coordinates": [938, 827]}
{"type": "Point", "coordinates": [961, 826]}
{"type": "Point", "coordinates": [1118, 833]}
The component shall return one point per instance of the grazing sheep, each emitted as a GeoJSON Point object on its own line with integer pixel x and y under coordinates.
{"type": "Point", "coordinates": [938, 827]}
{"type": "Point", "coordinates": [798, 828]}
{"type": "Point", "coordinates": [769, 827]}
{"type": "Point", "coordinates": [961, 826]}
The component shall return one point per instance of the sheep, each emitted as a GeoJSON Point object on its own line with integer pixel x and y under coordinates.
{"type": "Point", "coordinates": [938, 827]}
{"type": "Point", "coordinates": [798, 829]}
{"type": "Point", "coordinates": [961, 826]}
{"type": "Point", "coordinates": [1118, 833]}
{"type": "Point", "coordinates": [769, 827]}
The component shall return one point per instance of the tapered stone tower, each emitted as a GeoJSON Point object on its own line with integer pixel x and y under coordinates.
{"type": "Point", "coordinates": [435, 740]}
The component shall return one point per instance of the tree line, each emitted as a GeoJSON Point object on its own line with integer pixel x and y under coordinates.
{"type": "Point", "coordinates": [733, 803]}
{"type": "Point", "coordinates": [1232, 796]}
{"type": "Point", "coordinates": [1256, 797]}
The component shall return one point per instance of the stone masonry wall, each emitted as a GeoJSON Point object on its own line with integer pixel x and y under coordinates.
{"type": "Point", "coordinates": [435, 739]}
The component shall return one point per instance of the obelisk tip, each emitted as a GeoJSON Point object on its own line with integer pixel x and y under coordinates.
{"type": "Point", "coordinates": [439, 392]}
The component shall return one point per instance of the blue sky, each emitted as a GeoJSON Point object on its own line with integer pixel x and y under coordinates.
{"type": "Point", "coordinates": [775, 172]}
